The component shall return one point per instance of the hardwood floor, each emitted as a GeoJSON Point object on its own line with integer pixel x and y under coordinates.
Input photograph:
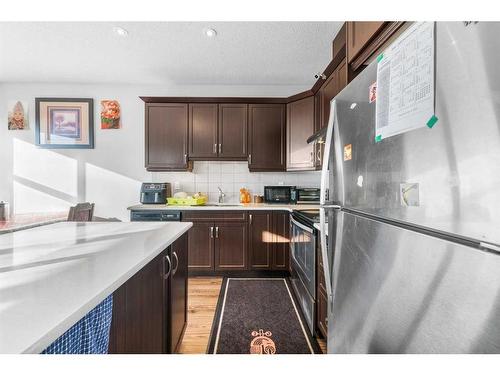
{"type": "Point", "coordinates": [203, 293]}
{"type": "Point", "coordinates": [322, 345]}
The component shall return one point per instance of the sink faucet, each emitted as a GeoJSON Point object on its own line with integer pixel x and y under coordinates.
{"type": "Point", "coordinates": [221, 195]}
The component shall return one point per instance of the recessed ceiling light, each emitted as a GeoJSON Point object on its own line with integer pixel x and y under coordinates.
{"type": "Point", "coordinates": [120, 31]}
{"type": "Point", "coordinates": [210, 33]}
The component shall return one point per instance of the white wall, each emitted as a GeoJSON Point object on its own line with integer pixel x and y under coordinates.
{"type": "Point", "coordinates": [41, 180]}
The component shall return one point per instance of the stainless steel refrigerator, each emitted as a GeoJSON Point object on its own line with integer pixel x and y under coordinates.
{"type": "Point", "coordinates": [420, 276]}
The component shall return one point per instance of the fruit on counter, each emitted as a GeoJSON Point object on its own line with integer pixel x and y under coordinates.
{"type": "Point", "coordinates": [180, 194]}
{"type": "Point", "coordinates": [245, 196]}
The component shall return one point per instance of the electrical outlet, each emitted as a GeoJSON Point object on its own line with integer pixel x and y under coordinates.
{"type": "Point", "coordinates": [177, 185]}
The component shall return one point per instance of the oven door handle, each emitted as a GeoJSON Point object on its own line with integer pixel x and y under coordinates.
{"type": "Point", "coordinates": [302, 226]}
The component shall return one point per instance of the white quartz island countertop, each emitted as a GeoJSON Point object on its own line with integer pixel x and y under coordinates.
{"type": "Point", "coordinates": [51, 276]}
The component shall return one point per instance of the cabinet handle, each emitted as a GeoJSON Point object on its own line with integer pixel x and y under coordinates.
{"type": "Point", "coordinates": [250, 218]}
{"type": "Point", "coordinates": [319, 153]}
{"type": "Point", "coordinates": [176, 264]}
{"type": "Point", "coordinates": [249, 158]}
{"type": "Point", "coordinates": [312, 157]}
{"type": "Point", "coordinates": [167, 274]}
{"type": "Point", "coordinates": [216, 232]}
{"type": "Point", "coordinates": [185, 158]}
{"type": "Point", "coordinates": [220, 148]}
{"type": "Point", "coordinates": [215, 148]}
{"type": "Point", "coordinates": [211, 232]}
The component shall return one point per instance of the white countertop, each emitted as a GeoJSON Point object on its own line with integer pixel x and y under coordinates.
{"type": "Point", "coordinates": [227, 207]}
{"type": "Point", "coordinates": [51, 276]}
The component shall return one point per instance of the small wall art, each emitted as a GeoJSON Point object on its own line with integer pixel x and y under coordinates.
{"type": "Point", "coordinates": [64, 122]}
{"type": "Point", "coordinates": [18, 115]}
{"type": "Point", "coordinates": [110, 114]}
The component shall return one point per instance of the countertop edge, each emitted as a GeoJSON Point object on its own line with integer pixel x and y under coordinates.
{"type": "Point", "coordinates": [44, 341]}
{"type": "Point", "coordinates": [251, 207]}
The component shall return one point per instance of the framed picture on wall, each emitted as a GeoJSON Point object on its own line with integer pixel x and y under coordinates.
{"type": "Point", "coordinates": [64, 122]}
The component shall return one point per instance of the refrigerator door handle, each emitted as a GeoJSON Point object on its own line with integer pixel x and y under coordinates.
{"type": "Point", "coordinates": [326, 156]}
{"type": "Point", "coordinates": [324, 255]}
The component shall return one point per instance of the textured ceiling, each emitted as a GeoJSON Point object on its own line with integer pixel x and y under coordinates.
{"type": "Point", "coordinates": [242, 53]}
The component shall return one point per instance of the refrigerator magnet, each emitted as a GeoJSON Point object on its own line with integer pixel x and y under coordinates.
{"type": "Point", "coordinates": [348, 152]}
{"type": "Point", "coordinates": [372, 92]}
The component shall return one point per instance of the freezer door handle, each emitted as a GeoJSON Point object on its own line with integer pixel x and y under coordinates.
{"type": "Point", "coordinates": [334, 206]}
{"type": "Point", "coordinates": [324, 196]}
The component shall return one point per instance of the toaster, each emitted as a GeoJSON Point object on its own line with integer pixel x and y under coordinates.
{"type": "Point", "coordinates": [155, 193]}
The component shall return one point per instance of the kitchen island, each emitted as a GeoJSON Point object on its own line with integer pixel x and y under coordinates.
{"type": "Point", "coordinates": [52, 276]}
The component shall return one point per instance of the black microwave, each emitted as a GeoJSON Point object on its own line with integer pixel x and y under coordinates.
{"type": "Point", "coordinates": [280, 194]}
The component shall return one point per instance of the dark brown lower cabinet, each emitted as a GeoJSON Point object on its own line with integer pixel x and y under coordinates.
{"type": "Point", "coordinates": [322, 313]}
{"type": "Point", "coordinates": [178, 293]}
{"type": "Point", "coordinates": [201, 246]}
{"type": "Point", "coordinates": [230, 246]}
{"type": "Point", "coordinates": [281, 233]}
{"type": "Point", "coordinates": [150, 309]}
{"type": "Point", "coordinates": [260, 242]}
{"type": "Point", "coordinates": [268, 240]}
{"type": "Point", "coordinates": [321, 299]}
{"type": "Point", "coordinates": [217, 241]}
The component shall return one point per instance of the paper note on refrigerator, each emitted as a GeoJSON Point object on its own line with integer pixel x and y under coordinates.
{"type": "Point", "coordinates": [405, 82]}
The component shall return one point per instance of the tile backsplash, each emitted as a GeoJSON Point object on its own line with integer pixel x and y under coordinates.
{"type": "Point", "coordinates": [230, 177]}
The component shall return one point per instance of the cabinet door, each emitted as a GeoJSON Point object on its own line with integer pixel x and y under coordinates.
{"type": "Point", "coordinates": [281, 233]}
{"type": "Point", "coordinates": [233, 130]}
{"type": "Point", "coordinates": [166, 137]}
{"type": "Point", "coordinates": [359, 34]}
{"type": "Point", "coordinates": [322, 313]}
{"type": "Point", "coordinates": [342, 76]}
{"type": "Point", "coordinates": [328, 92]}
{"type": "Point", "coordinates": [178, 292]}
{"type": "Point", "coordinates": [202, 130]}
{"type": "Point", "coordinates": [266, 140]}
{"type": "Point", "coordinates": [318, 147]}
{"type": "Point", "coordinates": [201, 246]}
{"type": "Point", "coordinates": [140, 310]}
{"type": "Point", "coordinates": [230, 246]}
{"type": "Point", "coordinates": [333, 85]}
{"type": "Point", "coordinates": [261, 239]}
{"type": "Point", "coordinates": [300, 126]}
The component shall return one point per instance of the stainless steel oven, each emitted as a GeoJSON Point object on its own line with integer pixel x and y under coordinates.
{"type": "Point", "coordinates": [303, 261]}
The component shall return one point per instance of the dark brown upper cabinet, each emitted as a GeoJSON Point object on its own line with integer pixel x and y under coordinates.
{"type": "Point", "coordinates": [332, 86]}
{"type": "Point", "coordinates": [266, 137]}
{"type": "Point", "coordinates": [359, 33]}
{"type": "Point", "coordinates": [300, 126]}
{"type": "Point", "coordinates": [203, 131]}
{"type": "Point", "coordinates": [233, 130]}
{"type": "Point", "coordinates": [366, 39]}
{"type": "Point", "coordinates": [217, 131]}
{"type": "Point", "coordinates": [166, 137]}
